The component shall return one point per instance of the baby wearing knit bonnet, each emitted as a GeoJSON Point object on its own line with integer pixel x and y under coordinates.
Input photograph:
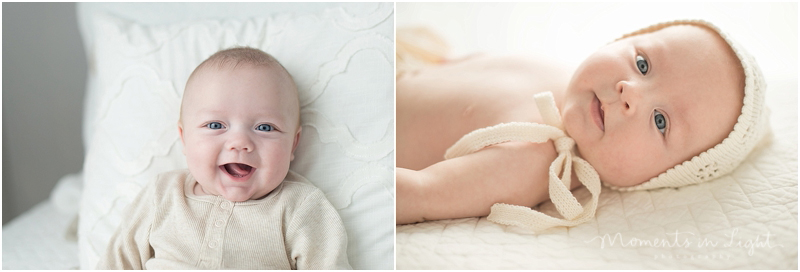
{"type": "Point", "coordinates": [673, 104]}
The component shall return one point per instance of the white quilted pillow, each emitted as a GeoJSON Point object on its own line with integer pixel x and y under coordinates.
{"type": "Point", "coordinates": [343, 66]}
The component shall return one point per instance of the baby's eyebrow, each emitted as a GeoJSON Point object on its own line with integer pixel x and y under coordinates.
{"type": "Point", "coordinates": [678, 126]}
{"type": "Point", "coordinates": [657, 52]}
{"type": "Point", "coordinates": [209, 111]}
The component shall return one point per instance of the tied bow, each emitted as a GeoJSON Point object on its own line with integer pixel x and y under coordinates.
{"type": "Point", "coordinates": [566, 204]}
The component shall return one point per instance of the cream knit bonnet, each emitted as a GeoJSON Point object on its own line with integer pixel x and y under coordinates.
{"type": "Point", "coordinates": [750, 127]}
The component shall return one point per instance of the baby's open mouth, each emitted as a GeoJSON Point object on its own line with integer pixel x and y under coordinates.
{"type": "Point", "coordinates": [603, 117]}
{"type": "Point", "coordinates": [598, 114]}
{"type": "Point", "coordinates": [238, 170]}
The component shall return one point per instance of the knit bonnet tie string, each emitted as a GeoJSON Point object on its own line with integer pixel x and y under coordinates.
{"type": "Point", "coordinates": [566, 204]}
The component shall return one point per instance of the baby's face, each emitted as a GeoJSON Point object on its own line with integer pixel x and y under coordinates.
{"type": "Point", "coordinates": [643, 104]}
{"type": "Point", "coordinates": [239, 128]}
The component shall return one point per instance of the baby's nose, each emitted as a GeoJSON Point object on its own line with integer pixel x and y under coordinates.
{"type": "Point", "coordinates": [242, 148]}
{"type": "Point", "coordinates": [240, 143]}
{"type": "Point", "coordinates": [628, 95]}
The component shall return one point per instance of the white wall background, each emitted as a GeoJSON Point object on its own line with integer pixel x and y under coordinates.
{"type": "Point", "coordinates": [44, 72]}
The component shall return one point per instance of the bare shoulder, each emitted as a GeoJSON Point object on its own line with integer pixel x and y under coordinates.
{"type": "Point", "coordinates": [438, 105]}
{"type": "Point", "coordinates": [529, 69]}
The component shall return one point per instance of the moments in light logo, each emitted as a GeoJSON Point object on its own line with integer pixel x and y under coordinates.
{"type": "Point", "coordinates": [680, 239]}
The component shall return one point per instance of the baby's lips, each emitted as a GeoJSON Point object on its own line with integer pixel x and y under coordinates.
{"type": "Point", "coordinates": [603, 116]}
{"type": "Point", "coordinates": [238, 169]}
{"type": "Point", "coordinates": [598, 114]}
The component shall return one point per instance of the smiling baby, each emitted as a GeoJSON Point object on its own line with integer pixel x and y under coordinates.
{"type": "Point", "coordinates": [673, 104]}
{"type": "Point", "coordinates": [238, 206]}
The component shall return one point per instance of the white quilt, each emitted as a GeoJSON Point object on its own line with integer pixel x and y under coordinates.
{"type": "Point", "coordinates": [37, 239]}
{"type": "Point", "coordinates": [746, 220]}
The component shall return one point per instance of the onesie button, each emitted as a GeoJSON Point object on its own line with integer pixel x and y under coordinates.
{"type": "Point", "coordinates": [225, 205]}
{"type": "Point", "coordinates": [219, 223]}
{"type": "Point", "coordinates": [212, 244]}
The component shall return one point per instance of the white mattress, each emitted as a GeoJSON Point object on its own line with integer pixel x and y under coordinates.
{"type": "Point", "coordinates": [738, 212]}
{"type": "Point", "coordinates": [37, 240]}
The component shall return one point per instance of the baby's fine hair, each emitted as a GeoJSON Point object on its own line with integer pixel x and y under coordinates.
{"type": "Point", "coordinates": [235, 56]}
{"type": "Point", "coordinates": [241, 55]}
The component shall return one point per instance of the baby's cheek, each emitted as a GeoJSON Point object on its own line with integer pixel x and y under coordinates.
{"type": "Point", "coordinates": [200, 154]}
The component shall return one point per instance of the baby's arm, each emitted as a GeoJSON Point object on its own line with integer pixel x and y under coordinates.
{"type": "Point", "coordinates": [316, 237]}
{"type": "Point", "coordinates": [467, 186]}
{"type": "Point", "coordinates": [129, 247]}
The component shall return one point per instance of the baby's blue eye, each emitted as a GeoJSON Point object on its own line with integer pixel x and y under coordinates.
{"type": "Point", "coordinates": [214, 125]}
{"type": "Point", "coordinates": [264, 127]}
{"type": "Point", "coordinates": [661, 122]}
{"type": "Point", "coordinates": [642, 65]}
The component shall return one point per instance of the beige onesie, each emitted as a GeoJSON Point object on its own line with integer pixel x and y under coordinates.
{"type": "Point", "coordinates": [168, 227]}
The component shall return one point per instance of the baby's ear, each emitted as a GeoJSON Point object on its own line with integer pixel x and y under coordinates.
{"type": "Point", "coordinates": [296, 140]}
{"type": "Point", "coordinates": [180, 133]}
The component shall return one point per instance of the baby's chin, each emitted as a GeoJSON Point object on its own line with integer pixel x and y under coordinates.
{"type": "Point", "coordinates": [609, 175]}
{"type": "Point", "coordinates": [618, 178]}
{"type": "Point", "coordinates": [241, 194]}
{"type": "Point", "coordinates": [236, 198]}
{"type": "Point", "coordinates": [238, 195]}
{"type": "Point", "coordinates": [621, 182]}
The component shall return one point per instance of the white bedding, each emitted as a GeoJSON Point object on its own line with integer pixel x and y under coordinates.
{"type": "Point", "coordinates": [724, 224]}
{"type": "Point", "coordinates": [37, 239]}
